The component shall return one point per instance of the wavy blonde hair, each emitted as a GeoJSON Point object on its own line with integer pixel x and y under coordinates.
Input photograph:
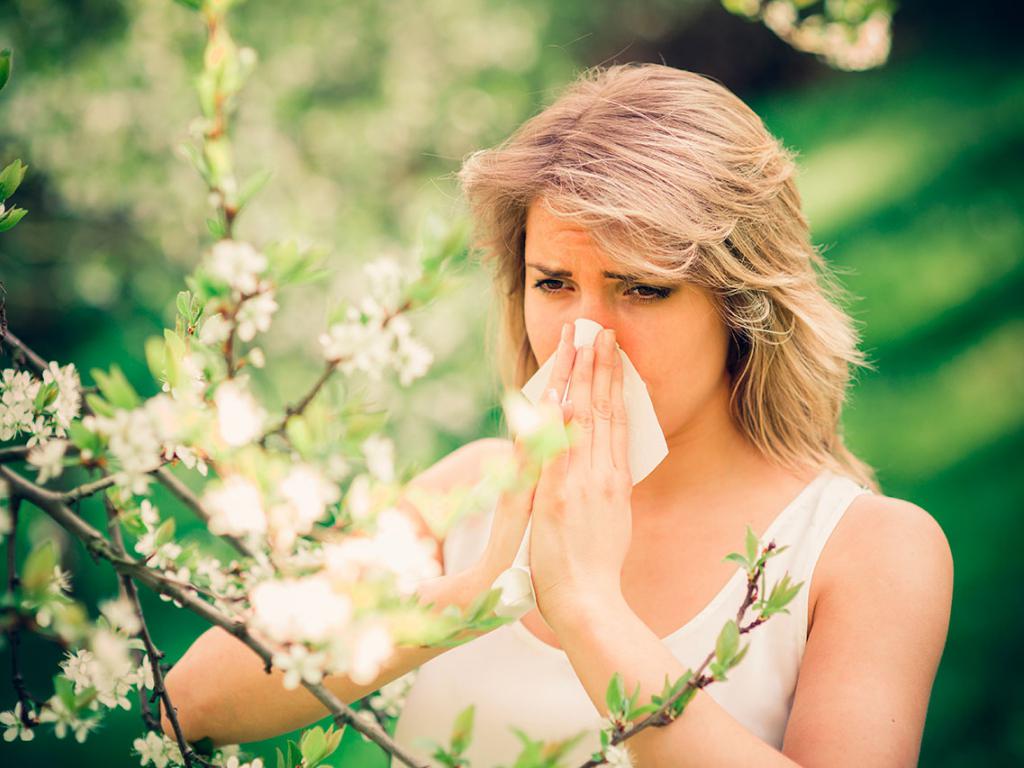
{"type": "Point", "coordinates": [672, 174]}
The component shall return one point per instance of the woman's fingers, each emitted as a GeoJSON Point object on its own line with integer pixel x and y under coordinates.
{"type": "Point", "coordinates": [582, 417]}
{"type": "Point", "coordinates": [601, 401]}
{"type": "Point", "coordinates": [620, 420]}
{"type": "Point", "coordinates": [564, 356]}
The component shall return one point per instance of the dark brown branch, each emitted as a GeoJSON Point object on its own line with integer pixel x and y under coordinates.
{"type": "Point", "coordinates": [155, 656]}
{"type": "Point", "coordinates": [20, 347]}
{"type": "Point", "coordinates": [13, 632]}
{"type": "Point", "coordinates": [99, 547]}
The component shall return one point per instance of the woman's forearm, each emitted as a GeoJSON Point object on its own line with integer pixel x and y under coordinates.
{"type": "Point", "coordinates": [220, 689]}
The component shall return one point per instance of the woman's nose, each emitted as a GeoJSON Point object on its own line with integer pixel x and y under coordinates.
{"type": "Point", "coordinates": [596, 308]}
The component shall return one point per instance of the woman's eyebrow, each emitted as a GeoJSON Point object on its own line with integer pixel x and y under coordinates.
{"type": "Point", "coordinates": [550, 272]}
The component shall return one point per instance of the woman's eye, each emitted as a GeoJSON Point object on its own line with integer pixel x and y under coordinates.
{"type": "Point", "coordinates": [646, 292]}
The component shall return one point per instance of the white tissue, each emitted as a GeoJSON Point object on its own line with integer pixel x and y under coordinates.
{"type": "Point", "coordinates": [647, 448]}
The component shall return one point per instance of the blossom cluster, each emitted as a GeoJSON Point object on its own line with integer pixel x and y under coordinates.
{"type": "Point", "coordinates": [242, 268]}
{"type": "Point", "coordinates": [139, 438]}
{"type": "Point", "coordinates": [374, 337]}
{"type": "Point", "coordinates": [43, 409]}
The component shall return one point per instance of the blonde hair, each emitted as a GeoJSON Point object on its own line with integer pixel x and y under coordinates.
{"type": "Point", "coordinates": [674, 175]}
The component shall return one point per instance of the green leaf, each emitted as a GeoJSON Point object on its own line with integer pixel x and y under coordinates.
{"type": "Point", "coordinates": [294, 753]}
{"type": "Point", "coordinates": [11, 217]}
{"type": "Point", "coordinates": [193, 5]}
{"type": "Point", "coordinates": [217, 228]}
{"type": "Point", "coordinates": [83, 439]}
{"type": "Point", "coordinates": [781, 595]}
{"type": "Point", "coordinates": [5, 66]}
{"type": "Point", "coordinates": [182, 303]}
{"type": "Point", "coordinates": [175, 354]}
{"type": "Point", "coordinates": [99, 406]}
{"type": "Point", "coordinates": [115, 388]}
{"type": "Point", "coordinates": [736, 557]}
{"type": "Point", "coordinates": [10, 178]}
{"type": "Point", "coordinates": [313, 746]}
{"type": "Point", "coordinates": [280, 759]}
{"type": "Point", "coordinates": [727, 643]}
{"type": "Point", "coordinates": [252, 186]}
{"type": "Point", "coordinates": [165, 532]}
{"type": "Point", "coordinates": [65, 689]}
{"type": "Point", "coordinates": [615, 694]}
{"type": "Point", "coordinates": [156, 357]}
{"type": "Point", "coordinates": [752, 544]}
{"type": "Point", "coordinates": [38, 569]}
{"type": "Point", "coordinates": [46, 395]}
{"type": "Point", "coordinates": [462, 731]}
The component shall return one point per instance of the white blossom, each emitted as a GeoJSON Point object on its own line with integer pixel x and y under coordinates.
{"type": "Point", "coordinates": [69, 396]}
{"type": "Point", "coordinates": [254, 315]}
{"type": "Point", "coordinates": [49, 458]}
{"type": "Point", "coordinates": [305, 494]}
{"type": "Point", "coordinates": [387, 279]}
{"type": "Point", "coordinates": [13, 727]}
{"type": "Point", "coordinates": [299, 665]}
{"type": "Point", "coordinates": [238, 264]}
{"type": "Point", "coordinates": [17, 403]}
{"type": "Point", "coordinates": [618, 756]}
{"type": "Point", "coordinates": [372, 646]}
{"type": "Point", "coordinates": [137, 438]}
{"type": "Point", "coordinates": [412, 358]}
{"type": "Point", "coordinates": [235, 507]}
{"type": "Point", "coordinates": [395, 548]}
{"type": "Point", "coordinates": [215, 329]}
{"type": "Point", "coordinates": [379, 452]}
{"type": "Point", "coordinates": [391, 697]}
{"type": "Point", "coordinates": [157, 749]}
{"type": "Point", "coordinates": [120, 612]}
{"type": "Point", "coordinates": [57, 712]}
{"type": "Point", "coordinates": [524, 418]}
{"type": "Point", "coordinates": [239, 417]}
{"type": "Point", "coordinates": [256, 357]}
{"type": "Point", "coordinates": [296, 610]}
{"type": "Point", "coordinates": [234, 761]}
{"type": "Point", "coordinates": [355, 346]}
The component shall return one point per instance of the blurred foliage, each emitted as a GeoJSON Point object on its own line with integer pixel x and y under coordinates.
{"type": "Point", "coordinates": [362, 111]}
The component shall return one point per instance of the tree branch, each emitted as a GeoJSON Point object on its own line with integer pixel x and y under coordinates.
{"type": "Point", "coordinates": [98, 546]}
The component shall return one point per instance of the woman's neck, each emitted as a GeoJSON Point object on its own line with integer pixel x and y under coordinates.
{"type": "Point", "coordinates": [709, 463]}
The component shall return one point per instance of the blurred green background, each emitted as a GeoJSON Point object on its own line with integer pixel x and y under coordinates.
{"type": "Point", "coordinates": [911, 176]}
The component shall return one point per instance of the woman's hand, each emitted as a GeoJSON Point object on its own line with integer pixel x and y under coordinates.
{"type": "Point", "coordinates": [582, 518]}
{"type": "Point", "coordinates": [513, 509]}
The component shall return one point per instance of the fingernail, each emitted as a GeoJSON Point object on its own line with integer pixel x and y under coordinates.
{"type": "Point", "coordinates": [565, 332]}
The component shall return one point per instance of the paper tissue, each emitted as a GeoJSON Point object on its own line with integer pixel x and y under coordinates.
{"type": "Point", "coordinates": [647, 448]}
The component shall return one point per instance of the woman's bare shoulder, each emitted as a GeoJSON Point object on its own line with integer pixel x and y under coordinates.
{"type": "Point", "coordinates": [884, 539]}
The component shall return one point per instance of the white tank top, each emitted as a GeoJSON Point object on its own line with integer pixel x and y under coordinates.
{"type": "Point", "coordinates": [515, 679]}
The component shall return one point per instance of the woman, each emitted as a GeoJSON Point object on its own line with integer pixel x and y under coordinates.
{"type": "Point", "coordinates": [654, 202]}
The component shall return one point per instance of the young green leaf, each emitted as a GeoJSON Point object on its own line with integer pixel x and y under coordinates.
{"type": "Point", "coordinates": [462, 731]}
{"type": "Point", "coordinates": [727, 643]}
{"type": "Point", "coordinates": [615, 694]}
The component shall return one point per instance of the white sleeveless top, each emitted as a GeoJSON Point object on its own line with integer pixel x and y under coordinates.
{"type": "Point", "coordinates": [515, 679]}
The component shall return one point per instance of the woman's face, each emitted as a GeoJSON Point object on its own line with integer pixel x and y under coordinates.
{"type": "Point", "coordinates": [671, 333]}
